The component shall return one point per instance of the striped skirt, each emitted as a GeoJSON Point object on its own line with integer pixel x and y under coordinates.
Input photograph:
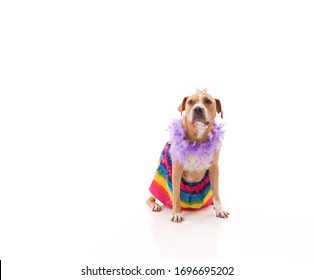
{"type": "Point", "coordinates": [192, 195]}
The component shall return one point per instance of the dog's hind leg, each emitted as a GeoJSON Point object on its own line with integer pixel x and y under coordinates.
{"type": "Point", "coordinates": [151, 202]}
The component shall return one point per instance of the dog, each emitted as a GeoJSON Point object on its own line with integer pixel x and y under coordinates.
{"type": "Point", "coordinates": [188, 172]}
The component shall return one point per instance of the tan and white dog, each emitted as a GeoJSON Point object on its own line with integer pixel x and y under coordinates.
{"type": "Point", "coordinates": [200, 112]}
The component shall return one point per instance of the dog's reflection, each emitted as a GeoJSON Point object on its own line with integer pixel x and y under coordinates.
{"type": "Point", "coordinates": [196, 238]}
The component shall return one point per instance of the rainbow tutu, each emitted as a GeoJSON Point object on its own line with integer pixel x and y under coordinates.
{"type": "Point", "coordinates": [193, 195]}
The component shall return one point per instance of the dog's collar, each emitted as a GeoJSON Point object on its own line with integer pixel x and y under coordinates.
{"type": "Point", "coordinates": [181, 148]}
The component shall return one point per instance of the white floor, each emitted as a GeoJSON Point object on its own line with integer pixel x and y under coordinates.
{"type": "Point", "coordinates": [254, 240]}
{"type": "Point", "coordinates": [257, 243]}
{"type": "Point", "coordinates": [248, 233]}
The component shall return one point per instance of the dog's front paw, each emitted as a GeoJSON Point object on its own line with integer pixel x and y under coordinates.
{"type": "Point", "coordinates": [220, 211]}
{"type": "Point", "coordinates": [177, 218]}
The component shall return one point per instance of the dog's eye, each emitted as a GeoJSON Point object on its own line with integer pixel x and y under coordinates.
{"type": "Point", "coordinates": [190, 102]}
{"type": "Point", "coordinates": [207, 101]}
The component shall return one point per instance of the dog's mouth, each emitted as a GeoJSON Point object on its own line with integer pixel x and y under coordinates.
{"type": "Point", "coordinates": [206, 123]}
{"type": "Point", "coordinates": [200, 119]}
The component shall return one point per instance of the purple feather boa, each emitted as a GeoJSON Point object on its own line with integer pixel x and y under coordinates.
{"type": "Point", "coordinates": [181, 149]}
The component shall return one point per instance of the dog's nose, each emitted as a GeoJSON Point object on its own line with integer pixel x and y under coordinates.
{"type": "Point", "coordinates": [198, 110]}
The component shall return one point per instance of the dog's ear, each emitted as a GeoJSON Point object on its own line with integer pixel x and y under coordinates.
{"type": "Point", "coordinates": [181, 108]}
{"type": "Point", "coordinates": [218, 108]}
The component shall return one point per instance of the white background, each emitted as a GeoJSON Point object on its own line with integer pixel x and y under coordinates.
{"type": "Point", "coordinates": [87, 91]}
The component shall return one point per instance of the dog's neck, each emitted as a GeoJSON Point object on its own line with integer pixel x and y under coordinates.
{"type": "Point", "coordinates": [196, 134]}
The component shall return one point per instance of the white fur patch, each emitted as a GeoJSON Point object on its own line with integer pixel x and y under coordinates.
{"type": "Point", "coordinates": [193, 164]}
{"type": "Point", "coordinates": [200, 129]}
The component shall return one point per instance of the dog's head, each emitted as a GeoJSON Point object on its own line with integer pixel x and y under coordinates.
{"type": "Point", "coordinates": [200, 108]}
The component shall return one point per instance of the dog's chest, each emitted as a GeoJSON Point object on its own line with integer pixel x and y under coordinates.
{"type": "Point", "coordinates": [194, 164]}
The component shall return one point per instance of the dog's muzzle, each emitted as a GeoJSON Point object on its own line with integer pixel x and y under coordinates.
{"type": "Point", "coordinates": [199, 115]}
